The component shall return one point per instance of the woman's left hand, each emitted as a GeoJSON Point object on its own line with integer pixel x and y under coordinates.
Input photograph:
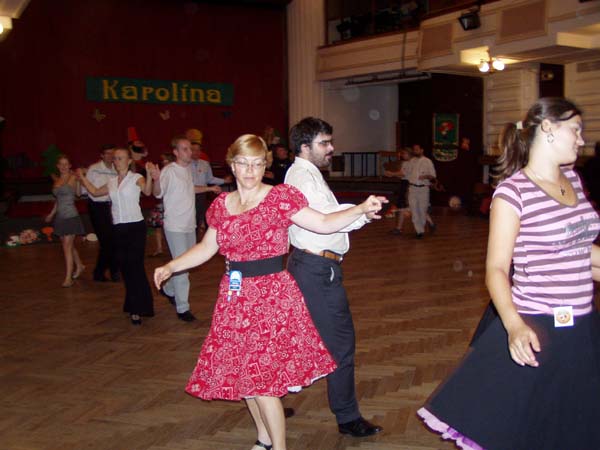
{"type": "Point", "coordinates": [161, 274]}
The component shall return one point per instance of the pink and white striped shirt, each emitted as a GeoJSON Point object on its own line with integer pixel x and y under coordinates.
{"type": "Point", "coordinates": [552, 254]}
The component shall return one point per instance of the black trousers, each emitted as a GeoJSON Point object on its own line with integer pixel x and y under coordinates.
{"type": "Point", "coordinates": [201, 207]}
{"type": "Point", "coordinates": [101, 218]}
{"type": "Point", "coordinates": [131, 249]}
{"type": "Point", "coordinates": [320, 281]}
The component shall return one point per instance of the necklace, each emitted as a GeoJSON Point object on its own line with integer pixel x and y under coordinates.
{"type": "Point", "coordinates": [563, 191]}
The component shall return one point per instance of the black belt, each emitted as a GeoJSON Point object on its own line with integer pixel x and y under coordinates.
{"type": "Point", "coordinates": [256, 268]}
{"type": "Point", "coordinates": [418, 185]}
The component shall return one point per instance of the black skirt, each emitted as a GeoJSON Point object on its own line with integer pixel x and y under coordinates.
{"type": "Point", "coordinates": [499, 405]}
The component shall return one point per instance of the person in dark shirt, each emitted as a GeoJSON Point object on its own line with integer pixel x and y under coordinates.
{"type": "Point", "coordinates": [281, 163]}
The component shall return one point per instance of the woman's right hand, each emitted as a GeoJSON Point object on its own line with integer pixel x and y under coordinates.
{"type": "Point", "coordinates": [80, 173]}
{"type": "Point", "coordinates": [161, 274]}
{"type": "Point", "coordinates": [522, 343]}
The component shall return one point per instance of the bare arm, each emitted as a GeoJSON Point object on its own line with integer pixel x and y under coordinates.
{"type": "Point", "coordinates": [202, 189]}
{"type": "Point", "coordinates": [50, 216]}
{"type": "Point", "coordinates": [145, 184]}
{"type": "Point", "coordinates": [504, 228]}
{"type": "Point", "coordinates": [595, 262]}
{"type": "Point", "coordinates": [318, 222]}
{"type": "Point", "coordinates": [96, 192]}
{"type": "Point", "coordinates": [197, 255]}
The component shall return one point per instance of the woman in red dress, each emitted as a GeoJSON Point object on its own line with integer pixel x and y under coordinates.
{"type": "Point", "coordinates": [262, 342]}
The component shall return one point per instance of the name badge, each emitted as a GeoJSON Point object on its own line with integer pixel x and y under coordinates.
{"type": "Point", "coordinates": [563, 316]}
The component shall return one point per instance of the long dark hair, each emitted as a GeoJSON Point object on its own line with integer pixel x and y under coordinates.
{"type": "Point", "coordinates": [515, 141]}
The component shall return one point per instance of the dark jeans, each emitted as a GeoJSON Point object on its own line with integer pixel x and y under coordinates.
{"type": "Point", "coordinates": [201, 207]}
{"type": "Point", "coordinates": [320, 281]}
{"type": "Point", "coordinates": [101, 218]}
{"type": "Point", "coordinates": [131, 249]}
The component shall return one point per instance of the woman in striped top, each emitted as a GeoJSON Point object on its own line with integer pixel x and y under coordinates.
{"type": "Point", "coordinates": [539, 391]}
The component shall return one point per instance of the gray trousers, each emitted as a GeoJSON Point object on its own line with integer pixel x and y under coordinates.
{"type": "Point", "coordinates": [418, 201]}
{"type": "Point", "coordinates": [178, 285]}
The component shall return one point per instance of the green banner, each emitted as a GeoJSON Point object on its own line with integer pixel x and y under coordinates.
{"type": "Point", "coordinates": [131, 90]}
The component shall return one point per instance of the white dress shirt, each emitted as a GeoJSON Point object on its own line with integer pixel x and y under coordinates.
{"type": "Point", "coordinates": [308, 179]}
{"type": "Point", "coordinates": [177, 192]}
{"type": "Point", "coordinates": [99, 174]}
{"type": "Point", "coordinates": [416, 167]}
{"type": "Point", "coordinates": [125, 199]}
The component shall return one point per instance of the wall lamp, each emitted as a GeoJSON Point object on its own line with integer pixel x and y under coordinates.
{"type": "Point", "coordinates": [491, 65]}
{"type": "Point", "coordinates": [470, 20]}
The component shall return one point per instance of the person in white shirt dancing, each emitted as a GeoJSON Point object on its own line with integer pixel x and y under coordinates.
{"type": "Point", "coordinates": [99, 209]}
{"type": "Point", "coordinates": [130, 231]}
{"type": "Point", "coordinates": [174, 184]}
{"type": "Point", "coordinates": [316, 266]}
{"type": "Point", "coordinates": [420, 173]}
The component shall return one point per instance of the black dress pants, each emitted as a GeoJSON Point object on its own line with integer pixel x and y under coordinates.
{"type": "Point", "coordinates": [320, 280]}
{"type": "Point", "coordinates": [101, 218]}
{"type": "Point", "coordinates": [201, 207]}
{"type": "Point", "coordinates": [131, 249]}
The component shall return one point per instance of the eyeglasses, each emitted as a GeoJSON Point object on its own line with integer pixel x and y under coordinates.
{"type": "Point", "coordinates": [324, 142]}
{"type": "Point", "coordinates": [246, 165]}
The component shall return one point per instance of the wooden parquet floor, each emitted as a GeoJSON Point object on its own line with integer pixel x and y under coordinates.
{"type": "Point", "coordinates": [75, 374]}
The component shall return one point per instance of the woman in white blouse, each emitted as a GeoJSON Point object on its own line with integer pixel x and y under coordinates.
{"type": "Point", "coordinates": [130, 231]}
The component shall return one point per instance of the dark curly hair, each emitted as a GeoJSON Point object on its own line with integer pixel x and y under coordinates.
{"type": "Point", "coordinates": [305, 131]}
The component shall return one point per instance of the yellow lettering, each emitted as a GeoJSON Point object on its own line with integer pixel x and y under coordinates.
{"type": "Point", "coordinates": [213, 96]}
{"type": "Point", "coordinates": [146, 91]}
{"type": "Point", "coordinates": [108, 90]}
{"type": "Point", "coordinates": [129, 92]}
{"type": "Point", "coordinates": [162, 94]}
{"type": "Point", "coordinates": [184, 93]}
{"type": "Point", "coordinates": [174, 92]}
{"type": "Point", "coordinates": [196, 95]}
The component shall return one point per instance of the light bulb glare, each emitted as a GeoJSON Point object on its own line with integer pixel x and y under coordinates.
{"type": "Point", "coordinates": [498, 64]}
{"type": "Point", "coordinates": [1, 28]}
{"type": "Point", "coordinates": [484, 66]}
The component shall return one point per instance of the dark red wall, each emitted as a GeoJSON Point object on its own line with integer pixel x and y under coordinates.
{"type": "Point", "coordinates": [418, 102]}
{"type": "Point", "coordinates": [56, 44]}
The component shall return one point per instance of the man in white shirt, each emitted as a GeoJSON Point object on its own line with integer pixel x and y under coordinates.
{"type": "Point", "coordinates": [176, 187]}
{"type": "Point", "coordinates": [99, 211]}
{"type": "Point", "coordinates": [316, 266]}
{"type": "Point", "coordinates": [420, 172]}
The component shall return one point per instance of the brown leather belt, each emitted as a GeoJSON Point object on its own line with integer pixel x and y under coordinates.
{"type": "Point", "coordinates": [326, 254]}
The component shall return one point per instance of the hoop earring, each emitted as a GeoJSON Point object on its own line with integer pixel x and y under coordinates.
{"type": "Point", "coordinates": [550, 138]}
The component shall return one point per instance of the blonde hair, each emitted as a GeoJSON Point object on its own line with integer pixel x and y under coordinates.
{"type": "Point", "coordinates": [248, 145]}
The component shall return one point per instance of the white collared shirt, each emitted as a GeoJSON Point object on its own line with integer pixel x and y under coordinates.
{"type": "Point", "coordinates": [177, 192]}
{"type": "Point", "coordinates": [416, 167]}
{"type": "Point", "coordinates": [308, 179]}
{"type": "Point", "coordinates": [125, 199]}
{"type": "Point", "coordinates": [99, 174]}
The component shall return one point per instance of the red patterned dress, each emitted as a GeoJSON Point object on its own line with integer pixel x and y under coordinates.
{"type": "Point", "coordinates": [262, 341]}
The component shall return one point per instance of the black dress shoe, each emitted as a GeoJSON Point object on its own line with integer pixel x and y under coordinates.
{"type": "Point", "coordinates": [186, 316]}
{"type": "Point", "coordinates": [115, 277]}
{"type": "Point", "coordinates": [288, 412]}
{"type": "Point", "coordinates": [359, 428]}
{"type": "Point", "coordinates": [100, 278]}
{"type": "Point", "coordinates": [167, 296]}
{"type": "Point", "coordinates": [135, 319]}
